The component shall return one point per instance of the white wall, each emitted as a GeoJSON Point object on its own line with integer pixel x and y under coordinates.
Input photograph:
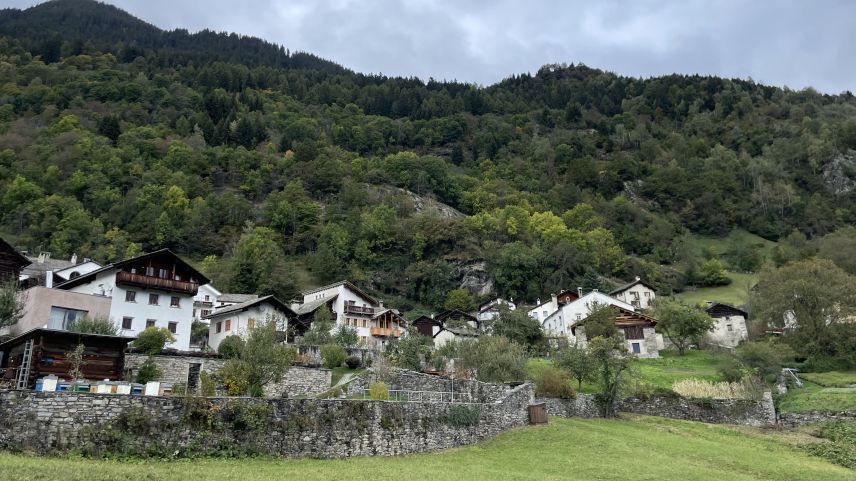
{"type": "Point", "coordinates": [141, 310]}
{"type": "Point", "coordinates": [643, 293]}
{"type": "Point", "coordinates": [199, 299]}
{"type": "Point", "coordinates": [239, 321]}
{"type": "Point", "coordinates": [82, 268]}
{"type": "Point", "coordinates": [727, 331]}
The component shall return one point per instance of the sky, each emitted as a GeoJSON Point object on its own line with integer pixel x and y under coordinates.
{"type": "Point", "coordinates": [793, 43]}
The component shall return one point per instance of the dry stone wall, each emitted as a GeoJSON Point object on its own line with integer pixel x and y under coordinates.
{"type": "Point", "coordinates": [718, 411]}
{"type": "Point", "coordinates": [814, 417]}
{"type": "Point", "coordinates": [404, 380]}
{"type": "Point", "coordinates": [165, 426]}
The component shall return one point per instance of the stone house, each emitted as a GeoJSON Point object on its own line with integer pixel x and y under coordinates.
{"type": "Point", "coordinates": [238, 319]}
{"type": "Point", "coordinates": [638, 293]}
{"type": "Point", "coordinates": [637, 329]}
{"type": "Point", "coordinates": [560, 322]}
{"type": "Point", "coordinates": [729, 328]}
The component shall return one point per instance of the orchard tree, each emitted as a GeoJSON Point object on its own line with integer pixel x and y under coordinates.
{"type": "Point", "coordinates": [682, 324]}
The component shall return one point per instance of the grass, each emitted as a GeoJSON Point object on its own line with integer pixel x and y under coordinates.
{"type": "Point", "coordinates": [719, 246]}
{"type": "Point", "coordinates": [338, 372]}
{"type": "Point", "coordinates": [814, 397]}
{"type": "Point", "coordinates": [641, 448]}
{"type": "Point", "coordinates": [735, 294]}
{"type": "Point", "coordinates": [661, 372]}
{"type": "Point", "coordinates": [831, 378]}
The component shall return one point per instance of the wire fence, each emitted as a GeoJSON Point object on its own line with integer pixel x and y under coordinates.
{"type": "Point", "coordinates": [424, 396]}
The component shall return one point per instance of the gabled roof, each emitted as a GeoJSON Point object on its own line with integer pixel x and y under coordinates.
{"type": "Point", "coordinates": [17, 256]}
{"type": "Point", "coordinates": [62, 333]}
{"type": "Point", "coordinates": [455, 314]}
{"type": "Point", "coordinates": [495, 303]}
{"type": "Point", "coordinates": [236, 298]}
{"type": "Point", "coordinates": [718, 306]}
{"type": "Point", "coordinates": [345, 283]}
{"type": "Point", "coordinates": [312, 306]}
{"type": "Point", "coordinates": [625, 318]}
{"type": "Point", "coordinates": [201, 279]}
{"type": "Point", "coordinates": [248, 304]}
{"type": "Point", "coordinates": [631, 284]}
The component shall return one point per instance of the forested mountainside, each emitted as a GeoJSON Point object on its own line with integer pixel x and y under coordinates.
{"type": "Point", "coordinates": [274, 171]}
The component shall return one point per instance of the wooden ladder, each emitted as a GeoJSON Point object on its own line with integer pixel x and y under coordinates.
{"type": "Point", "coordinates": [24, 371]}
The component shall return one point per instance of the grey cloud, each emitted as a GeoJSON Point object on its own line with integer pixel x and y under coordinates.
{"type": "Point", "coordinates": [788, 42]}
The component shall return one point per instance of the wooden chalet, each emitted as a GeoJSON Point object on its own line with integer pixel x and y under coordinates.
{"type": "Point", "coordinates": [11, 261]}
{"type": "Point", "coordinates": [425, 325]}
{"type": "Point", "coordinates": [104, 356]}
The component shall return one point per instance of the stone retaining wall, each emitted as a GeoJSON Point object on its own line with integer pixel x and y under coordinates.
{"type": "Point", "coordinates": [404, 380]}
{"type": "Point", "coordinates": [814, 417]}
{"type": "Point", "coordinates": [298, 381]}
{"type": "Point", "coordinates": [719, 411]}
{"type": "Point", "coordinates": [166, 426]}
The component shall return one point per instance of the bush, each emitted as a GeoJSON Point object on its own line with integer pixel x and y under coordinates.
{"type": "Point", "coordinates": [231, 347]}
{"type": "Point", "coordinates": [207, 386]}
{"type": "Point", "coordinates": [153, 339]}
{"type": "Point", "coordinates": [379, 391]}
{"type": "Point", "coordinates": [663, 392]}
{"type": "Point", "coordinates": [694, 388]}
{"type": "Point", "coordinates": [462, 416]}
{"type": "Point", "coordinates": [94, 325]}
{"type": "Point", "coordinates": [332, 355]}
{"type": "Point", "coordinates": [732, 371]}
{"type": "Point", "coordinates": [352, 362]}
{"type": "Point", "coordinates": [553, 382]}
{"type": "Point", "coordinates": [493, 359]}
{"type": "Point", "coordinates": [765, 357]}
{"type": "Point", "coordinates": [149, 371]}
{"type": "Point", "coordinates": [236, 377]}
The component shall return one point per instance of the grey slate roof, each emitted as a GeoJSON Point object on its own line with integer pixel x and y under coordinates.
{"type": "Point", "coordinates": [244, 305]}
{"type": "Point", "coordinates": [236, 298]}
{"type": "Point", "coordinates": [309, 307]}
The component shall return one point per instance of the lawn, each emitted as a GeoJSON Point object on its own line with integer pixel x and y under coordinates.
{"type": "Point", "coordinates": [814, 397]}
{"type": "Point", "coordinates": [735, 294]}
{"type": "Point", "coordinates": [640, 448]}
{"type": "Point", "coordinates": [338, 372]}
{"type": "Point", "coordinates": [831, 378]}
{"type": "Point", "coordinates": [662, 372]}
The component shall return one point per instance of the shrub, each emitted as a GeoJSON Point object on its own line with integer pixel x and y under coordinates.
{"type": "Point", "coordinates": [332, 355]}
{"type": "Point", "coordinates": [231, 347]}
{"type": "Point", "coordinates": [236, 377]}
{"type": "Point", "coordinates": [553, 382]}
{"type": "Point", "coordinates": [94, 325]}
{"type": "Point", "coordinates": [207, 386]}
{"type": "Point", "coordinates": [765, 358]}
{"type": "Point", "coordinates": [663, 392]}
{"type": "Point", "coordinates": [379, 391]}
{"type": "Point", "coordinates": [493, 359]}
{"type": "Point", "coordinates": [149, 371]}
{"type": "Point", "coordinates": [463, 415]}
{"type": "Point", "coordinates": [352, 362]}
{"type": "Point", "coordinates": [153, 339]}
{"type": "Point", "coordinates": [179, 389]}
{"type": "Point", "coordinates": [732, 371]}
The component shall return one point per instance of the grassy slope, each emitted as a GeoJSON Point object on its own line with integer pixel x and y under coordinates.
{"type": "Point", "coordinates": [640, 449]}
{"type": "Point", "coordinates": [735, 294]}
{"type": "Point", "coordinates": [814, 397]}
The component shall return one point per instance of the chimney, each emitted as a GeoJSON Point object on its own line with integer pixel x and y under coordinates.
{"type": "Point", "coordinates": [74, 259]}
{"type": "Point", "coordinates": [638, 278]}
{"type": "Point", "coordinates": [380, 303]}
{"type": "Point", "coordinates": [44, 256]}
{"type": "Point", "coordinates": [86, 259]}
{"type": "Point", "coordinates": [554, 299]}
{"type": "Point", "coordinates": [579, 292]}
{"type": "Point", "coordinates": [49, 279]}
{"type": "Point", "coordinates": [538, 301]}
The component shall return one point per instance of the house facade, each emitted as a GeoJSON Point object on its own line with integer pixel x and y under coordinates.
{"type": "Point", "coordinates": [56, 309]}
{"type": "Point", "coordinates": [637, 329]}
{"type": "Point", "coordinates": [729, 328]}
{"type": "Point", "coordinates": [239, 319]}
{"type": "Point", "coordinates": [155, 289]}
{"type": "Point", "coordinates": [353, 307]}
{"type": "Point", "coordinates": [544, 309]}
{"type": "Point", "coordinates": [204, 302]}
{"type": "Point", "coordinates": [11, 262]}
{"type": "Point", "coordinates": [490, 310]}
{"type": "Point", "coordinates": [638, 293]}
{"type": "Point", "coordinates": [448, 326]}
{"type": "Point", "coordinates": [560, 322]}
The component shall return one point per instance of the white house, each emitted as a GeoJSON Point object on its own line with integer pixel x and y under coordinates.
{"type": "Point", "coordinates": [47, 271]}
{"type": "Point", "coordinates": [729, 327]}
{"type": "Point", "coordinates": [238, 319]}
{"type": "Point", "coordinates": [351, 306]}
{"type": "Point", "coordinates": [204, 301]}
{"type": "Point", "coordinates": [542, 310]}
{"type": "Point", "coordinates": [561, 321]}
{"type": "Point", "coordinates": [154, 289]}
{"type": "Point", "coordinates": [638, 293]}
{"type": "Point", "coordinates": [448, 326]}
{"type": "Point", "coordinates": [490, 310]}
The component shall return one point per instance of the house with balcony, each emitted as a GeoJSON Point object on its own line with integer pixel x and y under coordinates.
{"type": "Point", "coordinates": [559, 323]}
{"type": "Point", "coordinates": [636, 328]}
{"type": "Point", "coordinates": [239, 319]}
{"type": "Point", "coordinates": [155, 289]}
{"type": "Point", "coordinates": [638, 293]}
{"type": "Point", "coordinates": [353, 307]}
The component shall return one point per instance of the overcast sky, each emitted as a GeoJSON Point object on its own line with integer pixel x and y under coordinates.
{"type": "Point", "coordinates": [794, 43]}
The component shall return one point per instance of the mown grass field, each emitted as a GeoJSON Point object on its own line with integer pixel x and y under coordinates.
{"type": "Point", "coordinates": [735, 294]}
{"type": "Point", "coordinates": [639, 448]}
{"type": "Point", "coordinates": [816, 397]}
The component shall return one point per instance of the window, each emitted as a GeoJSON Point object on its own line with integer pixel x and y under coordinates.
{"type": "Point", "coordinates": [62, 318]}
{"type": "Point", "coordinates": [647, 294]}
{"type": "Point", "coordinates": [127, 322]}
{"type": "Point", "coordinates": [151, 323]}
{"type": "Point", "coordinates": [130, 296]}
{"type": "Point", "coordinates": [173, 327]}
{"type": "Point", "coordinates": [636, 348]}
{"type": "Point", "coordinates": [545, 314]}
{"type": "Point", "coordinates": [205, 312]}
{"type": "Point", "coordinates": [634, 295]}
{"type": "Point", "coordinates": [219, 326]}
{"type": "Point", "coordinates": [228, 324]}
{"type": "Point", "coordinates": [729, 327]}
{"type": "Point", "coordinates": [153, 299]}
{"type": "Point", "coordinates": [194, 312]}
{"type": "Point", "coordinates": [579, 317]}
{"type": "Point", "coordinates": [150, 271]}
{"type": "Point", "coordinates": [163, 273]}
{"type": "Point", "coordinates": [175, 301]}
{"type": "Point", "coordinates": [251, 323]}
{"type": "Point", "coordinates": [207, 298]}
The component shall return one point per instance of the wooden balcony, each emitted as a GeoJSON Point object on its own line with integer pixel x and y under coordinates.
{"type": "Point", "coordinates": [354, 309]}
{"type": "Point", "coordinates": [150, 282]}
{"type": "Point", "coordinates": [385, 332]}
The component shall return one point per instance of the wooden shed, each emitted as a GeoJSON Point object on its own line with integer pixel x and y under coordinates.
{"type": "Point", "coordinates": [104, 356]}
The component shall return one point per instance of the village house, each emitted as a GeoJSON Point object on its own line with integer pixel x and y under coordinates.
{"type": "Point", "coordinates": [45, 270]}
{"type": "Point", "coordinates": [636, 328]}
{"type": "Point", "coordinates": [350, 306]}
{"type": "Point", "coordinates": [638, 293]}
{"type": "Point", "coordinates": [238, 319]}
{"type": "Point", "coordinates": [155, 289]}
{"type": "Point", "coordinates": [490, 310]}
{"type": "Point", "coordinates": [544, 309]}
{"type": "Point", "coordinates": [729, 328]}
{"type": "Point", "coordinates": [204, 302]}
{"type": "Point", "coordinates": [448, 326]}
{"type": "Point", "coordinates": [11, 262]}
{"type": "Point", "coordinates": [559, 322]}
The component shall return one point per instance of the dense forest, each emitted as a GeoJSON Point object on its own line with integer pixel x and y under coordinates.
{"type": "Point", "coordinates": [275, 170]}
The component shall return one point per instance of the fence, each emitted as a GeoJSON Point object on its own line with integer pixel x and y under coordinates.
{"type": "Point", "coordinates": [422, 396]}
